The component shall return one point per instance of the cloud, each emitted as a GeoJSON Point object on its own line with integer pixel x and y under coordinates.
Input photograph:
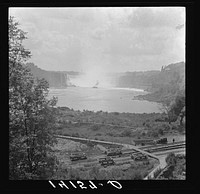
{"type": "Point", "coordinates": [156, 17]}
{"type": "Point", "coordinates": [98, 33]}
{"type": "Point", "coordinates": [149, 33]}
{"type": "Point", "coordinates": [117, 39]}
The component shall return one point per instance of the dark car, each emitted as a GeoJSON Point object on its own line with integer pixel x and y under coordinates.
{"type": "Point", "coordinates": [161, 141]}
{"type": "Point", "coordinates": [139, 157]}
{"type": "Point", "coordinates": [106, 161]}
{"type": "Point", "coordinates": [102, 159]}
{"type": "Point", "coordinates": [114, 153]}
{"type": "Point", "coordinates": [75, 157]}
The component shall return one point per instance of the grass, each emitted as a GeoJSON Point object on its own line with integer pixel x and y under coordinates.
{"type": "Point", "coordinates": [91, 172]}
{"type": "Point", "coordinates": [110, 127]}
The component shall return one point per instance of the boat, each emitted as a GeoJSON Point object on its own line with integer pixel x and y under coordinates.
{"type": "Point", "coordinates": [95, 86]}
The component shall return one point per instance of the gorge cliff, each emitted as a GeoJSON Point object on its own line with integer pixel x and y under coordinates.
{"type": "Point", "coordinates": [56, 79]}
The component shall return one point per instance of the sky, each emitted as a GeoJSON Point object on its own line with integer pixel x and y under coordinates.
{"type": "Point", "coordinates": [101, 40]}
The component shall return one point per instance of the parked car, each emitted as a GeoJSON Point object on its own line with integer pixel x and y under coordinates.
{"type": "Point", "coordinates": [139, 157]}
{"type": "Point", "coordinates": [161, 141]}
{"type": "Point", "coordinates": [106, 161]}
{"type": "Point", "coordinates": [114, 153]}
{"type": "Point", "coordinates": [78, 156]}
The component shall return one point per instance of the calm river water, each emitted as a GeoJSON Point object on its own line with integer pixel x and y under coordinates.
{"type": "Point", "coordinates": [105, 99]}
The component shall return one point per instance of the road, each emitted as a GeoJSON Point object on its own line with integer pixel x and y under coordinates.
{"type": "Point", "coordinates": [160, 156]}
{"type": "Point", "coordinates": [127, 146]}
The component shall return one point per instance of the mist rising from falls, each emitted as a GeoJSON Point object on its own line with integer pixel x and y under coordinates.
{"type": "Point", "coordinates": [90, 78]}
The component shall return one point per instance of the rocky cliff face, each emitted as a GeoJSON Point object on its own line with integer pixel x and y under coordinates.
{"type": "Point", "coordinates": [169, 79]}
{"type": "Point", "coordinates": [172, 75]}
{"type": "Point", "coordinates": [142, 80]}
{"type": "Point", "coordinates": [169, 83]}
{"type": "Point", "coordinates": [154, 80]}
{"type": "Point", "coordinates": [55, 78]}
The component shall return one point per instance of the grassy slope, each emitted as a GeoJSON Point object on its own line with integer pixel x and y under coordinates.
{"type": "Point", "coordinates": [111, 125]}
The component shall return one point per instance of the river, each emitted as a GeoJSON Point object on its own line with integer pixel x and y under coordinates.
{"type": "Point", "coordinates": [105, 99]}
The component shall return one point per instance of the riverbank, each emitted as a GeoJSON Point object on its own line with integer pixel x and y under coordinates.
{"type": "Point", "coordinates": [114, 126]}
{"type": "Point", "coordinates": [151, 97]}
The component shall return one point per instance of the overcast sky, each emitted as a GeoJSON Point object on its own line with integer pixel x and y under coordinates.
{"type": "Point", "coordinates": [104, 39]}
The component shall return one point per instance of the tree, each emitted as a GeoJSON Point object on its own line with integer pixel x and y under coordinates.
{"type": "Point", "coordinates": [179, 106]}
{"type": "Point", "coordinates": [182, 115]}
{"type": "Point", "coordinates": [171, 159]}
{"type": "Point", "coordinates": [165, 106]}
{"type": "Point", "coordinates": [31, 115]}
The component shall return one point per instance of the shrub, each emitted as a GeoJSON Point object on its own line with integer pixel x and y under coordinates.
{"type": "Point", "coordinates": [94, 173]}
{"type": "Point", "coordinates": [148, 125]}
{"type": "Point", "coordinates": [153, 134]}
{"type": "Point", "coordinates": [73, 174]}
{"type": "Point", "coordinates": [161, 119]}
{"type": "Point", "coordinates": [75, 134]}
{"type": "Point", "coordinates": [116, 174]}
{"type": "Point", "coordinates": [87, 165]}
{"type": "Point", "coordinates": [126, 133]}
{"type": "Point", "coordinates": [143, 133]}
{"type": "Point", "coordinates": [144, 174]}
{"type": "Point", "coordinates": [103, 174]}
{"type": "Point", "coordinates": [84, 175]}
{"type": "Point", "coordinates": [95, 127]}
{"type": "Point", "coordinates": [98, 134]}
{"type": "Point", "coordinates": [110, 134]}
{"type": "Point", "coordinates": [171, 159]}
{"type": "Point", "coordinates": [137, 175]}
{"type": "Point", "coordinates": [167, 126]}
{"type": "Point", "coordinates": [77, 124]}
{"type": "Point", "coordinates": [150, 166]}
{"type": "Point", "coordinates": [157, 172]}
{"type": "Point", "coordinates": [160, 132]}
{"type": "Point", "coordinates": [67, 134]}
{"type": "Point", "coordinates": [180, 169]}
{"type": "Point", "coordinates": [181, 128]}
{"type": "Point", "coordinates": [134, 165]}
{"type": "Point", "coordinates": [174, 127]}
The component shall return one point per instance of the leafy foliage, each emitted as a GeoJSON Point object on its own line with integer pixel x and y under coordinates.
{"type": "Point", "coordinates": [176, 167]}
{"type": "Point", "coordinates": [168, 89]}
{"type": "Point", "coordinates": [126, 133]}
{"type": "Point", "coordinates": [31, 117]}
{"type": "Point", "coordinates": [157, 172]}
{"type": "Point", "coordinates": [135, 172]}
{"type": "Point", "coordinates": [178, 106]}
{"type": "Point", "coordinates": [171, 159]}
